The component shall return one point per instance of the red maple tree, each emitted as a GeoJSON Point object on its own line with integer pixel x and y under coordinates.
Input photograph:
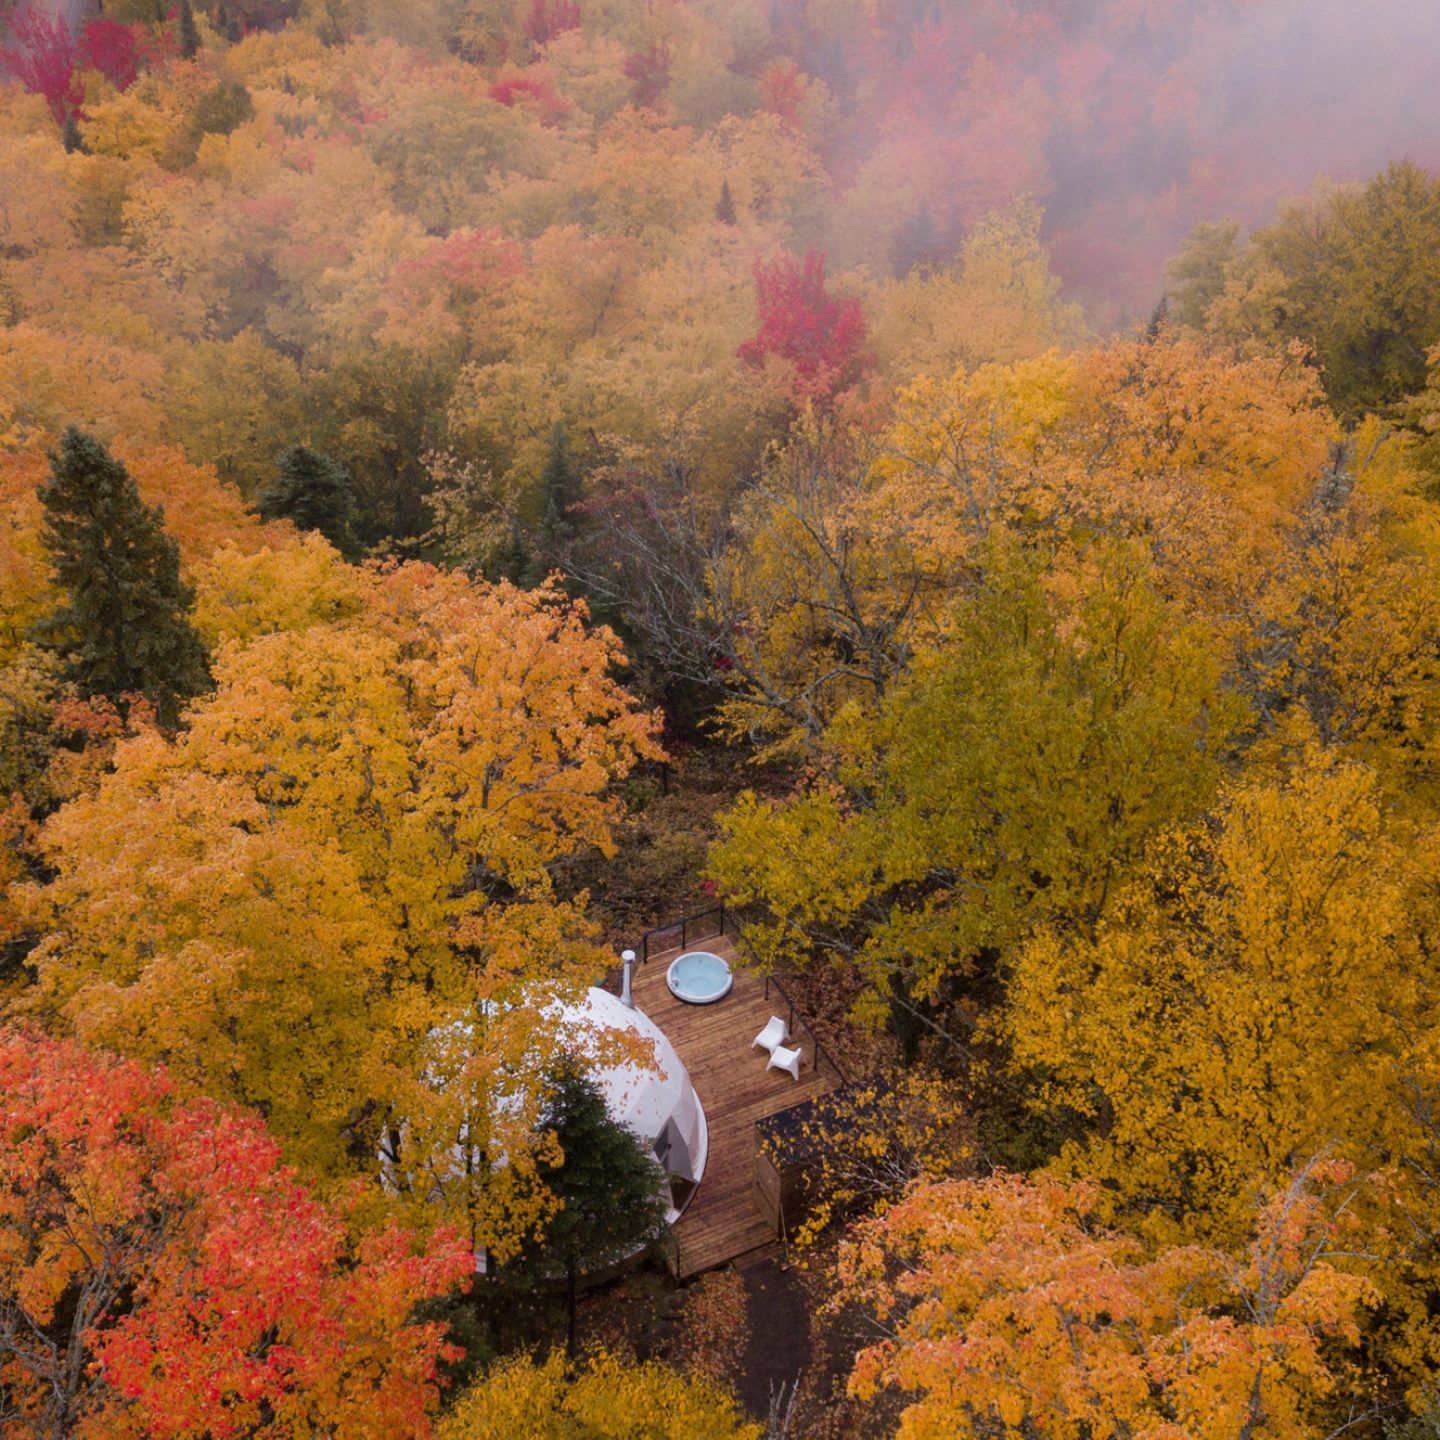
{"type": "Point", "coordinates": [41, 56]}
{"type": "Point", "coordinates": [649, 72]}
{"type": "Point", "coordinates": [535, 90]}
{"type": "Point", "coordinates": [782, 92]}
{"type": "Point", "coordinates": [111, 48]}
{"type": "Point", "coordinates": [163, 1275]}
{"type": "Point", "coordinates": [820, 336]}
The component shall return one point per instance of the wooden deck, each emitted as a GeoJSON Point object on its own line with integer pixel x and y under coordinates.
{"type": "Point", "coordinates": [723, 1221]}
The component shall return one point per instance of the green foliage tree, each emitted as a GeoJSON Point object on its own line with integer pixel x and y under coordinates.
{"type": "Point", "coordinates": [611, 1201]}
{"type": "Point", "coordinates": [381, 412]}
{"type": "Point", "coordinates": [1197, 273]}
{"type": "Point", "coordinates": [1013, 773]}
{"type": "Point", "coordinates": [124, 621]}
{"type": "Point", "coordinates": [1353, 272]}
{"type": "Point", "coordinates": [314, 492]}
{"type": "Point", "coordinates": [221, 109]}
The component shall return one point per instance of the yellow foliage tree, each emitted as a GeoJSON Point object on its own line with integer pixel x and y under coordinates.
{"type": "Point", "coordinates": [241, 595]}
{"type": "Point", "coordinates": [233, 404]}
{"type": "Point", "coordinates": [190, 925]}
{"type": "Point", "coordinates": [609, 1397]}
{"type": "Point", "coordinates": [51, 378]}
{"type": "Point", "coordinates": [1206, 454]}
{"type": "Point", "coordinates": [1000, 305]}
{"type": "Point", "coordinates": [1254, 997]}
{"type": "Point", "coordinates": [1342, 636]}
{"type": "Point", "coordinates": [26, 593]}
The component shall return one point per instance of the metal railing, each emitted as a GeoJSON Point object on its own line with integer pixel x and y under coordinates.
{"type": "Point", "coordinates": [679, 933]}
{"type": "Point", "coordinates": [818, 1050]}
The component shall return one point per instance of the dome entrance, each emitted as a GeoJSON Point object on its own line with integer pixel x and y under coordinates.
{"type": "Point", "coordinates": [655, 1102]}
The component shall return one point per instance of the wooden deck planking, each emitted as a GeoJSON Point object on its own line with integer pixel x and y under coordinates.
{"type": "Point", "coordinates": [724, 1221]}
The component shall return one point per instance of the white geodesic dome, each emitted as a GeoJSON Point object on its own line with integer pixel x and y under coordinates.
{"type": "Point", "coordinates": [651, 1096]}
{"type": "Point", "coordinates": [655, 1102]}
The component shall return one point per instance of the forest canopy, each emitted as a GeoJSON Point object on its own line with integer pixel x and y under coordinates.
{"type": "Point", "coordinates": [954, 486]}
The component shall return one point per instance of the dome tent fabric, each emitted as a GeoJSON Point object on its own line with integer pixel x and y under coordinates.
{"type": "Point", "coordinates": [656, 1103]}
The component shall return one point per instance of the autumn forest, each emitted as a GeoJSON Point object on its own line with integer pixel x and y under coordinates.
{"type": "Point", "coordinates": [928, 510]}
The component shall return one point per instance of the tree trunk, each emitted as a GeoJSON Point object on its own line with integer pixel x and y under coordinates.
{"type": "Point", "coordinates": [572, 1345]}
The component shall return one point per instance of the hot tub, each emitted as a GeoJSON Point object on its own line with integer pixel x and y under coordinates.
{"type": "Point", "coordinates": [699, 978]}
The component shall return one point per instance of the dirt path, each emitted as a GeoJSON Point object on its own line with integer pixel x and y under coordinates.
{"type": "Point", "coordinates": [778, 1349]}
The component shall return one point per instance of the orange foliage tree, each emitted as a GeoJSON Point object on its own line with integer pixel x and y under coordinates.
{"type": "Point", "coordinates": [348, 853]}
{"type": "Point", "coordinates": [1007, 1312]}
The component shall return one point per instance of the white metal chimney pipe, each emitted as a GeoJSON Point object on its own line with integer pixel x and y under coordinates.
{"type": "Point", "coordinates": [627, 959]}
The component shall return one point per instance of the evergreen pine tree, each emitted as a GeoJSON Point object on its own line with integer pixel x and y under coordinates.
{"type": "Point", "coordinates": [313, 492]}
{"type": "Point", "coordinates": [725, 206]}
{"type": "Point", "coordinates": [124, 623]}
{"type": "Point", "coordinates": [512, 561]}
{"type": "Point", "coordinates": [559, 490]}
{"type": "Point", "coordinates": [1159, 319]}
{"type": "Point", "coordinates": [189, 34]}
{"type": "Point", "coordinates": [611, 1191]}
{"type": "Point", "coordinates": [70, 136]}
{"type": "Point", "coordinates": [549, 537]}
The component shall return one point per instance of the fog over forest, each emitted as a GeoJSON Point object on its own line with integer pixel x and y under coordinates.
{"type": "Point", "coordinates": [1130, 123]}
